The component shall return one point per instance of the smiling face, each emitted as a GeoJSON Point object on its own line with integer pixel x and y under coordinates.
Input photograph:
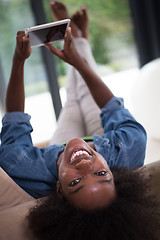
{"type": "Point", "coordinates": [84, 176]}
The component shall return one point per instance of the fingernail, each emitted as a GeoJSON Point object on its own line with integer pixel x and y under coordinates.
{"type": "Point", "coordinates": [25, 38]}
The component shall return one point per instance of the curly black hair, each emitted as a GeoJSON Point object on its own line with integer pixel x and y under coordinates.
{"type": "Point", "coordinates": [132, 215]}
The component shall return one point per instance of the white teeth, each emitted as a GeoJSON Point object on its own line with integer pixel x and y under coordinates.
{"type": "Point", "coordinates": [78, 153]}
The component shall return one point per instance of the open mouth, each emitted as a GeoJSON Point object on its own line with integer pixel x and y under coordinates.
{"type": "Point", "coordinates": [79, 154]}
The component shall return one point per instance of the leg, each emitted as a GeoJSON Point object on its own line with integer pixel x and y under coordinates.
{"type": "Point", "coordinates": [81, 20]}
{"type": "Point", "coordinates": [70, 122]}
{"type": "Point", "coordinates": [89, 108]}
{"type": "Point", "coordinates": [74, 127]}
{"type": "Point", "coordinates": [59, 12]}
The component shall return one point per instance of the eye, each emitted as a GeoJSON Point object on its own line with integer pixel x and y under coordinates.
{"type": "Point", "coordinates": [74, 182]}
{"type": "Point", "coordinates": [101, 173]}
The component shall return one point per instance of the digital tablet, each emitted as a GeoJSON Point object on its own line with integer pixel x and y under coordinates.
{"type": "Point", "coordinates": [47, 33]}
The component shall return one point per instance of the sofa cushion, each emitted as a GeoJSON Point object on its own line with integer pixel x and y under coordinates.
{"type": "Point", "coordinates": [13, 223]}
{"type": "Point", "coordinates": [11, 194]}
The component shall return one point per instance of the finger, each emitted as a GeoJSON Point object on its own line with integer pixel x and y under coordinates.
{"type": "Point", "coordinates": [26, 43]}
{"type": "Point", "coordinates": [20, 33]}
{"type": "Point", "coordinates": [54, 50]}
{"type": "Point", "coordinates": [68, 39]}
{"type": "Point", "coordinates": [19, 38]}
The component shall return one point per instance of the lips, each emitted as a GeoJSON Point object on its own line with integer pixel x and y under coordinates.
{"type": "Point", "coordinates": [79, 154]}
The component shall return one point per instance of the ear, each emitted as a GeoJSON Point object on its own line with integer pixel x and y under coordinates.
{"type": "Point", "coordinates": [59, 190]}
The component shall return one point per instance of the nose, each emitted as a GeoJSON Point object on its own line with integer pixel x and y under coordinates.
{"type": "Point", "coordinates": [84, 165]}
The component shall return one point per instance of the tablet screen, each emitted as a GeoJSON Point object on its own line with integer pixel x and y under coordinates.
{"type": "Point", "coordinates": [45, 35]}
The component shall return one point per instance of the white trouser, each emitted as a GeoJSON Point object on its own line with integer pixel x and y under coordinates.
{"type": "Point", "coordinates": [80, 115]}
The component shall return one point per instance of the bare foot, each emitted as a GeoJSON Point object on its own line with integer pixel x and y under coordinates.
{"type": "Point", "coordinates": [80, 18]}
{"type": "Point", "coordinates": [59, 12]}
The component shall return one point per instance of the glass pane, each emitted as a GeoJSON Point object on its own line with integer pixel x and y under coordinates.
{"type": "Point", "coordinates": [112, 41]}
{"type": "Point", "coordinates": [111, 33]}
{"type": "Point", "coordinates": [16, 15]}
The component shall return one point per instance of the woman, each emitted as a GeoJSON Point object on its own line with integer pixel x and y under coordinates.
{"type": "Point", "coordinates": [88, 189]}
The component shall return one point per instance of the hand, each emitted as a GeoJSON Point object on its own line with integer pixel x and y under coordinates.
{"type": "Point", "coordinates": [69, 53]}
{"type": "Point", "coordinates": [23, 49]}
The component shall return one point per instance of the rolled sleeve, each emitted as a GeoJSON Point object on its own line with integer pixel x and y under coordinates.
{"type": "Point", "coordinates": [31, 168]}
{"type": "Point", "coordinates": [16, 128]}
{"type": "Point", "coordinates": [126, 138]}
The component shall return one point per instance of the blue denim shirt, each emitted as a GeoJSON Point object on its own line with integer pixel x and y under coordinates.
{"type": "Point", "coordinates": [34, 169]}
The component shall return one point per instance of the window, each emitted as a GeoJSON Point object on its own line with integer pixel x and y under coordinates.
{"type": "Point", "coordinates": [111, 39]}
{"type": "Point", "coordinates": [16, 15]}
{"type": "Point", "coordinates": [111, 32]}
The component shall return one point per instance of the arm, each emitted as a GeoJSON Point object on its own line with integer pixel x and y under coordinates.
{"type": "Point", "coordinates": [127, 138]}
{"type": "Point", "coordinates": [30, 167]}
{"type": "Point", "coordinates": [100, 92]}
{"type": "Point", "coordinates": [15, 95]}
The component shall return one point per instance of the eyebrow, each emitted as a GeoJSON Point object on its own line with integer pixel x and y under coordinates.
{"type": "Point", "coordinates": [76, 190]}
{"type": "Point", "coordinates": [100, 181]}
{"type": "Point", "coordinates": [105, 180]}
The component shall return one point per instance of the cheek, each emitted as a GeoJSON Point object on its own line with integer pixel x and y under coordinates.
{"type": "Point", "coordinates": [62, 171]}
{"type": "Point", "coordinates": [102, 160]}
{"type": "Point", "coordinates": [65, 174]}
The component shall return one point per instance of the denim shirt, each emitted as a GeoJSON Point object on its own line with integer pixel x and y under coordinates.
{"type": "Point", "coordinates": [122, 144]}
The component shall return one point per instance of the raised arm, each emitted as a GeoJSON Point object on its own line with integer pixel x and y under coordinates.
{"type": "Point", "coordinates": [15, 96]}
{"type": "Point", "coordinates": [100, 92]}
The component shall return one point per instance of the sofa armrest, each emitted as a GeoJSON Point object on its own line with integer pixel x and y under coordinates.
{"type": "Point", "coordinates": [11, 194]}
